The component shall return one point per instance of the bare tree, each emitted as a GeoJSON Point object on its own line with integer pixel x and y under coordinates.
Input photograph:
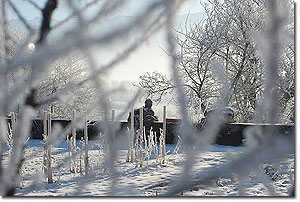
{"type": "Point", "coordinates": [224, 36]}
{"type": "Point", "coordinates": [62, 72]}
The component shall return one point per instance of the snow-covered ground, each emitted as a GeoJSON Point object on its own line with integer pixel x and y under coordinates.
{"type": "Point", "coordinates": [150, 180]}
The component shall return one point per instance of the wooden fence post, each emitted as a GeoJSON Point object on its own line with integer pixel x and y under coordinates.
{"type": "Point", "coordinates": [45, 131]}
{"type": "Point", "coordinates": [113, 123]}
{"type": "Point", "coordinates": [132, 132]}
{"type": "Point", "coordinates": [49, 169]}
{"type": "Point", "coordinates": [73, 141]}
{"type": "Point", "coordinates": [141, 136]}
{"type": "Point", "coordinates": [45, 134]}
{"type": "Point", "coordinates": [129, 142]}
{"type": "Point", "coordinates": [164, 134]}
{"type": "Point", "coordinates": [86, 154]}
{"type": "Point", "coordinates": [13, 122]}
{"type": "Point", "coordinates": [131, 137]}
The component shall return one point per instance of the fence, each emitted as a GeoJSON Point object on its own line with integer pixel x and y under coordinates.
{"type": "Point", "coordinates": [229, 134]}
{"type": "Point", "coordinates": [166, 132]}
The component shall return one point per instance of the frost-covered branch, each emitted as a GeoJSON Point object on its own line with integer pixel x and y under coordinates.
{"type": "Point", "coordinates": [47, 12]}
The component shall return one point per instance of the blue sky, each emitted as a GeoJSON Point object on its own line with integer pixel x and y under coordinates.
{"type": "Point", "coordinates": [150, 57]}
{"type": "Point", "coordinates": [29, 11]}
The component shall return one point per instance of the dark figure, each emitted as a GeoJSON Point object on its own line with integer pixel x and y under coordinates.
{"type": "Point", "coordinates": [31, 98]}
{"type": "Point", "coordinates": [148, 116]}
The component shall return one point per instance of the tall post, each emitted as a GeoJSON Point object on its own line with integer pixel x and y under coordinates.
{"type": "Point", "coordinates": [45, 133]}
{"type": "Point", "coordinates": [74, 128]}
{"type": "Point", "coordinates": [13, 122]}
{"type": "Point", "coordinates": [132, 131]}
{"type": "Point", "coordinates": [130, 138]}
{"type": "Point", "coordinates": [145, 140]}
{"type": "Point", "coordinates": [164, 134]}
{"type": "Point", "coordinates": [113, 112]}
{"type": "Point", "coordinates": [49, 173]}
{"type": "Point", "coordinates": [86, 155]}
{"type": "Point", "coordinates": [141, 136]}
{"type": "Point", "coordinates": [49, 124]}
{"type": "Point", "coordinates": [73, 141]}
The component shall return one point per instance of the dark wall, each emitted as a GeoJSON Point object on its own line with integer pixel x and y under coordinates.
{"type": "Point", "coordinates": [229, 134]}
{"type": "Point", "coordinates": [233, 134]}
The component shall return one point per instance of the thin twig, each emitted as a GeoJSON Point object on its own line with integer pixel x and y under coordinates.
{"type": "Point", "coordinates": [28, 27]}
{"type": "Point", "coordinates": [34, 4]}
